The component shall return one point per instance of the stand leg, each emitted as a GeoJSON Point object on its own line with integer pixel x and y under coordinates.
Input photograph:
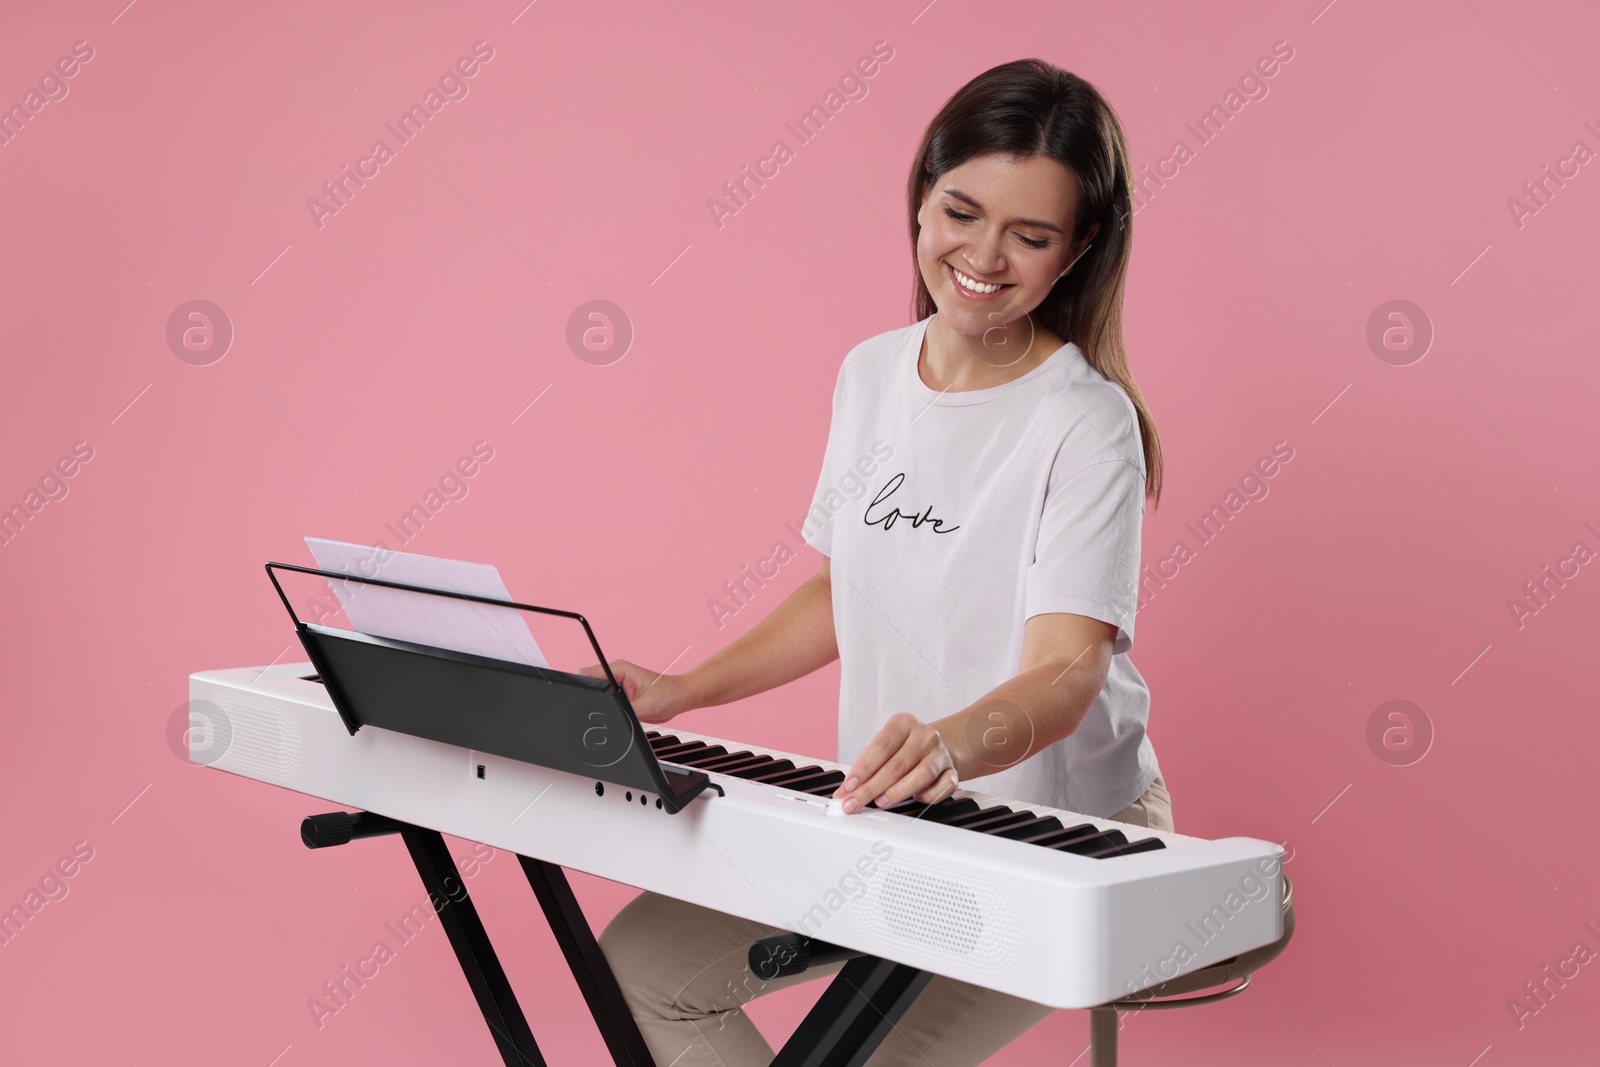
{"type": "Point", "coordinates": [478, 960]}
{"type": "Point", "coordinates": [854, 1015]}
{"type": "Point", "coordinates": [847, 1024]}
{"type": "Point", "coordinates": [587, 963]}
{"type": "Point", "coordinates": [1102, 1037]}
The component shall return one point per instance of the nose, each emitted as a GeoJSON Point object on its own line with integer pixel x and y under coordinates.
{"type": "Point", "coordinates": [984, 254]}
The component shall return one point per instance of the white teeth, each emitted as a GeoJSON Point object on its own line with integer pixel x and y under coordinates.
{"type": "Point", "coordinates": [973, 283]}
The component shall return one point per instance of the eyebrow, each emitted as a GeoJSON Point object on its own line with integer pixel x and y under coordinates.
{"type": "Point", "coordinates": [1040, 223]}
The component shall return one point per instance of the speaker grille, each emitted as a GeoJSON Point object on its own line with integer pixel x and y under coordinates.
{"type": "Point", "coordinates": [958, 913]}
{"type": "Point", "coordinates": [265, 742]}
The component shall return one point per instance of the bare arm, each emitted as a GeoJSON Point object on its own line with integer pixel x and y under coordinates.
{"type": "Point", "coordinates": [793, 639]}
{"type": "Point", "coordinates": [1064, 664]}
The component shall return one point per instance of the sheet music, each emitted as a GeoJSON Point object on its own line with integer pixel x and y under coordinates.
{"type": "Point", "coordinates": [443, 622]}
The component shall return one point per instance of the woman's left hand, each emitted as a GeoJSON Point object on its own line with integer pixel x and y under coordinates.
{"type": "Point", "coordinates": [907, 759]}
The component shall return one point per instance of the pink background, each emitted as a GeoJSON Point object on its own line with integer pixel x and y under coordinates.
{"type": "Point", "coordinates": [426, 315]}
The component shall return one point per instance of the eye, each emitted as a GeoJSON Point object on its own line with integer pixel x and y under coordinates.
{"type": "Point", "coordinates": [1030, 242]}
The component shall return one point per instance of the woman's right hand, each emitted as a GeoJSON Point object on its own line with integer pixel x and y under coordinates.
{"type": "Point", "coordinates": [656, 698]}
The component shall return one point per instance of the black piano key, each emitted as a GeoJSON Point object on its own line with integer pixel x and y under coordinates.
{"type": "Point", "coordinates": [1144, 844]}
{"type": "Point", "coordinates": [1014, 820]}
{"type": "Point", "coordinates": [732, 763]}
{"type": "Point", "coordinates": [984, 818]}
{"type": "Point", "coordinates": [735, 763]}
{"type": "Point", "coordinates": [712, 763]}
{"type": "Point", "coordinates": [821, 777]}
{"type": "Point", "coordinates": [697, 757]}
{"type": "Point", "coordinates": [966, 813]}
{"type": "Point", "coordinates": [935, 812]}
{"type": "Point", "coordinates": [711, 760]}
{"type": "Point", "coordinates": [1037, 828]}
{"type": "Point", "coordinates": [1085, 845]}
{"type": "Point", "coordinates": [912, 808]}
{"type": "Point", "coordinates": [1071, 833]}
{"type": "Point", "coordinates": [782, 777]}
{"type": "Point", "coordinates": [982, 815]}
{"type": "Point", "coordinates": [826, 787]}
{"type": "Point", "coordinates": [949, 809]}
{"type": "Point", "coordinates": [685, 749]}
{"type": "Point", "coordinates": [767, 766]}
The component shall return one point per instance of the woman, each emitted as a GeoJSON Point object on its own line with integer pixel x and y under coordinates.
{"type": "Point", "coordinates": [978, 511]}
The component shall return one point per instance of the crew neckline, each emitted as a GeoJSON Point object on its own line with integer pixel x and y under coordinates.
{"type": "Point", "coordinates": [947, 398]}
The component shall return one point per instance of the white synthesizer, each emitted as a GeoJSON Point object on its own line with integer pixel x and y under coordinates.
{"type": "Point", "coordinates": [1064, 909]}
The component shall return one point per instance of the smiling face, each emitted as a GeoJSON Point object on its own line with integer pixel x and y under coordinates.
{"type": "Point", "coordinates": [999, 221]}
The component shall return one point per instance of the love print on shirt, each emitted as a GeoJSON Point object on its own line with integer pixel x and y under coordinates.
{"type": "Point", "coordinates": [895, 513]}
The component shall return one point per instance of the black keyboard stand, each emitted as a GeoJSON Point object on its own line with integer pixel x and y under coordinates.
{"type": "Point", "coordinates": [855, 1013]}
{"type": "Point", "coordinates": [846, 1025]}
{"type": "Point", "coordinates": [476, 954]}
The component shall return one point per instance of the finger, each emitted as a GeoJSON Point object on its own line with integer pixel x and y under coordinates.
{"type": "Point", "coordinates": [942, 787]}
{"type": "Point", "coordinates": [874, 781]}
{"type": "Point", "coordinates": [619, 671]}
{"type": "Point", "coordinates": [863, 767]}
{"type": "Point", "coordinates": [896, 767]}
{"type": "Point", "coordinates": [872, 757]}
{"type": "Point", "coordinates": [914, 781]}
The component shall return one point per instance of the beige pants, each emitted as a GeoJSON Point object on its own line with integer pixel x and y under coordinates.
{"type": "Point", "coordinates": [684, 971]}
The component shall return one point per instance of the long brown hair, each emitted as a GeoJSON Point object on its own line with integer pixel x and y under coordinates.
{"type": "Point", "coordinates": [1029, 108]}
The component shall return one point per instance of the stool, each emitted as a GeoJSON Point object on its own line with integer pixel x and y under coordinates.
{"type": "Point", "coordinates": [1235, 969]}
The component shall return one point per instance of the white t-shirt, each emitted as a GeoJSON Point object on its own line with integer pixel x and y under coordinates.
{"type": "Point", "coordinates": [951, 519]}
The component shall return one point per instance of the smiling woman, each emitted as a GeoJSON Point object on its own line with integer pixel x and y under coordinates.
{"type": "Point", "coordinates": [987, 587]}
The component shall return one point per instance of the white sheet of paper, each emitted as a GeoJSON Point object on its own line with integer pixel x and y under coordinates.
{"type": "Point", "coordinates": [443, 622]}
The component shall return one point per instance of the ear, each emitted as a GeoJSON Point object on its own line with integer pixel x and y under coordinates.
{"type": "Point", "coordinates": [1094, 228]}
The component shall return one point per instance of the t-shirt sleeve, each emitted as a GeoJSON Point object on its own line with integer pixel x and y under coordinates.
{"type": "Point", "coordinates": [1086, 560]}
{"type": "Point", "coordinates": [818, 526]}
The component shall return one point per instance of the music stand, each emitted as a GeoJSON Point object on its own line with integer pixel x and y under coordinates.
{"type": "Point", "coordinates": [555, 719]}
